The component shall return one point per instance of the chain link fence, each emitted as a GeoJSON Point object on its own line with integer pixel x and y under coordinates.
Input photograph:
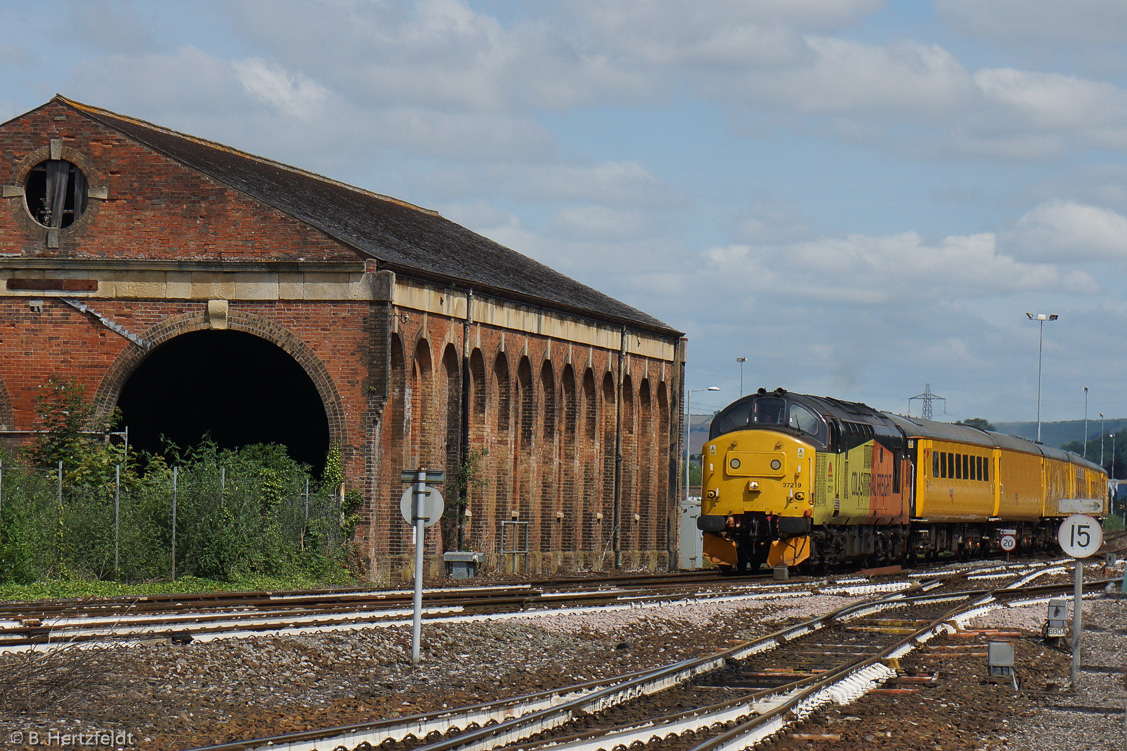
{"type": "Point", "coordinates": [221, 516]}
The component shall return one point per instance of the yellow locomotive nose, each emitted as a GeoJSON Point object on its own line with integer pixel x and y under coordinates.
{"type": "Point", "coordinates": [758, 492]}
{"type": "Point", "coordinates": [757, 471]}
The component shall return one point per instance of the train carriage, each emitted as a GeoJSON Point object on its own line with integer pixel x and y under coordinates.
{"type": "Point", "coordinates": [792, 478]}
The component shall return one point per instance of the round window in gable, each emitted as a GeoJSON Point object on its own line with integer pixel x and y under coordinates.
{"type": "Point", "coordinates": [56, 193]}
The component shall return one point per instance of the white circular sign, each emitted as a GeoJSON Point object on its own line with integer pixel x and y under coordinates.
{"type": "Point", "coordinates": [432, 506]}
{"type": "Point", "coordinates": [1008, 542]}
{"type": "Point", "coordinates": [1080, 535]}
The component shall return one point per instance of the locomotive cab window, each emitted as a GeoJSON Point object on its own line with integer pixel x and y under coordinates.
{"type": "Point", "coordinates": [745, 414]}
{"type": "Point", "coordinates": [768, 412]}
{"type": "Point", "coordinates": [56, 193]}
{"type": "Point", "coordinates": [806, 421]}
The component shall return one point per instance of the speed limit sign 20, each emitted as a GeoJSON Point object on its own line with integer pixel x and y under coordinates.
{"type": "Point", "coordinates": [1080, 535]}
{"type": "Point", "coordinates": [1008, 542]}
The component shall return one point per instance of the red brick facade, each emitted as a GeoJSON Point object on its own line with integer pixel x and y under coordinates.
{"type": "Point", "coordinates": [572, 423]}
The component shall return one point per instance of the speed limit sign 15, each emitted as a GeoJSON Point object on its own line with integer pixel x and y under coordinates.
{"type": "Point", "coordinates": [1080, 535]}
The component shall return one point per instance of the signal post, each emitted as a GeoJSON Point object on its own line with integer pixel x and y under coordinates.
{"type": "Point", "coordinates": [1080, 536]}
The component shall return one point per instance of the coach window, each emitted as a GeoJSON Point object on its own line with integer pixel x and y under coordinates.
{"type": "Point", "coordinates": [966, 466]}
{"type": "Point", "coordinates": [935, 464]}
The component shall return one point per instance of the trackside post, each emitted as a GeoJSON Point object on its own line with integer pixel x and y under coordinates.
{"type": "Point", "coordinates": [420, 514]}
{"type": "Point", "coordinates": [1079, 536]}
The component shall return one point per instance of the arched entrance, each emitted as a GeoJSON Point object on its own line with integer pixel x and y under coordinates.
{"type": "Point", "coordinates": [234, 386]}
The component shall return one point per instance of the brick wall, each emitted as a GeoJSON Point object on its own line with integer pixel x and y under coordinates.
{"type": "Point", "coordinates": [543, 415]}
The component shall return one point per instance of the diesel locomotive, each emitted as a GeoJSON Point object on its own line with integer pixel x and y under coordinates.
{"type": "Point", "coordinates": [790, 479]}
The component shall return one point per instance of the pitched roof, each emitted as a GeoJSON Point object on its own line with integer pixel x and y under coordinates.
{"type": "Point", "coordinates": [403, 238]}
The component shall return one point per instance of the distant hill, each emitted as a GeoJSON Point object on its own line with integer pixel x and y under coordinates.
{"type": "Point", "coordinates": [1059, 433]}
{"type": "Point", "coordinates": [1054, 434]}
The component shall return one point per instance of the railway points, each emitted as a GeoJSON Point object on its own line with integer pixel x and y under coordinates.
{"type": "Point", "coordinates": [335, 678]}
{"type": "Point", "coordinates": [780, 679]}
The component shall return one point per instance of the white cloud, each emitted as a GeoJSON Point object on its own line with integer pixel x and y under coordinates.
{"type": "Point", "coordinates": [1034, 21]}
{"type": "Point", "coordinates": [266, 109]}
{"type": "Point", "coordinates": [110, 25]}
{"type": "Point", "coordinates": [594, 223]}
{"type": "Point", "coordinates": [772, 220]}
{"type": "Point", "coordinates": [838, 76]}
{"type": "Point", "coordinates": [1053, 101]}
{"type": "Point", "coordinates": [441, 77]}
{"type": "Point", "coordinates": [880, 270]}
{"type": "Point", "coordinates": [292, 95]}
{"type": "Point", "coordinates": [611, 183]}
{"type": "Point", "coordinates": [184, 80]}
{"type": "Point", "coordinates": [14, 55]}
{"type": "Point", "coordinates": [468, 136]}
{"type": "Point", "coordinates": [1068, 232]}
{"type": "Point", "coordinates": [438, 54]}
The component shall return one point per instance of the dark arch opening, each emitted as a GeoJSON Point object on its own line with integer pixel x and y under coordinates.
{"type": "Point", "coordinates": [235, 387]}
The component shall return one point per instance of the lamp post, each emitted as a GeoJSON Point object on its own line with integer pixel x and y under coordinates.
{"type": "Point", "coordinates": [1040, 318]}
{"type": "Point", "coordinates": [1111, 469]}
{"type": "Point", "coordinates": [741, 361]}
{"type": "Point", "coordinates": [1085, 422]}
{"type": "Point", "coordinates": [1101, 439]}
{"type": "Point", "coordinates": [688, 416]}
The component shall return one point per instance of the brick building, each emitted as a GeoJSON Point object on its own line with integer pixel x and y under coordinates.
{"type": "Point", "coordinates": [196, 287]}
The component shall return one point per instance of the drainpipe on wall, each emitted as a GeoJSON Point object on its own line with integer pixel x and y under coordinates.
{"type": "Point", "coordinates": [618, 456]}
{"type": "Point", "coordinates": [464, 449]}
{"type": "Point", "coordinates": [676, 461]}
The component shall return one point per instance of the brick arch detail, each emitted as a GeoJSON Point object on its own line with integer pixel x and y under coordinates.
{"type": "Point", "coordinates": [109, 390]}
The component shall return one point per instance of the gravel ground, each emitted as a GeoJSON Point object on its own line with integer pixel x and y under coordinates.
{"type": "Point", "coordinates": [181, 696]}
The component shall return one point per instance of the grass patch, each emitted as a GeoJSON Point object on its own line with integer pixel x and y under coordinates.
{"type": "Point", "coordinates": [68, 590]}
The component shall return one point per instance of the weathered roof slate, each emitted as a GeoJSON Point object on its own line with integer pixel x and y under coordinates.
{"type": "Point", "coordinates": [403, 238]}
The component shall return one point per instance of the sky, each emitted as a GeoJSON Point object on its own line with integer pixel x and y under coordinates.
{"type": "Point", "coordinates": [864, 199]}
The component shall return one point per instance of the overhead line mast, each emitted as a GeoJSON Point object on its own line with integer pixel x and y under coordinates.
{"type": "Point", "coordinates": [927, 398]}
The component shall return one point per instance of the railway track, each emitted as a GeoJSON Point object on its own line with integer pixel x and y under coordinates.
{"type": "Point", "coordinates": [718, 702]}
{"type": "Point", "coordinates": [184, 618]}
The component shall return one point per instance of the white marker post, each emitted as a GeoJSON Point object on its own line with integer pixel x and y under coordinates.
{"type": "Point", "coordinates": [420, 524]}
{"type": "Point", "coordinates": [1079, 536]}
{"type": "Point", "coordinates": [421, 507]}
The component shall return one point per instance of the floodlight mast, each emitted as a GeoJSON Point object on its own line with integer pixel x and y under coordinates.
{"type": "Point", "coordinates": [1040, 318]}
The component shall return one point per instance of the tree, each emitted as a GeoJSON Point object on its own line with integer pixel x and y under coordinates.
{"type": "Point", "coordinates": [70, 434]}
{"type": "Point", "coordinates": [977, 422]}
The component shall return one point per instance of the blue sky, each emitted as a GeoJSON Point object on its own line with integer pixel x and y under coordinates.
{"type": "Point", "coordinates": [860, 197]}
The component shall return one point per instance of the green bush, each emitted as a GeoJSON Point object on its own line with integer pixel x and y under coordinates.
{"type": "Point", "coordinates": [27, 524]}
{"type": "Point", "coordinates": [250, 512]}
